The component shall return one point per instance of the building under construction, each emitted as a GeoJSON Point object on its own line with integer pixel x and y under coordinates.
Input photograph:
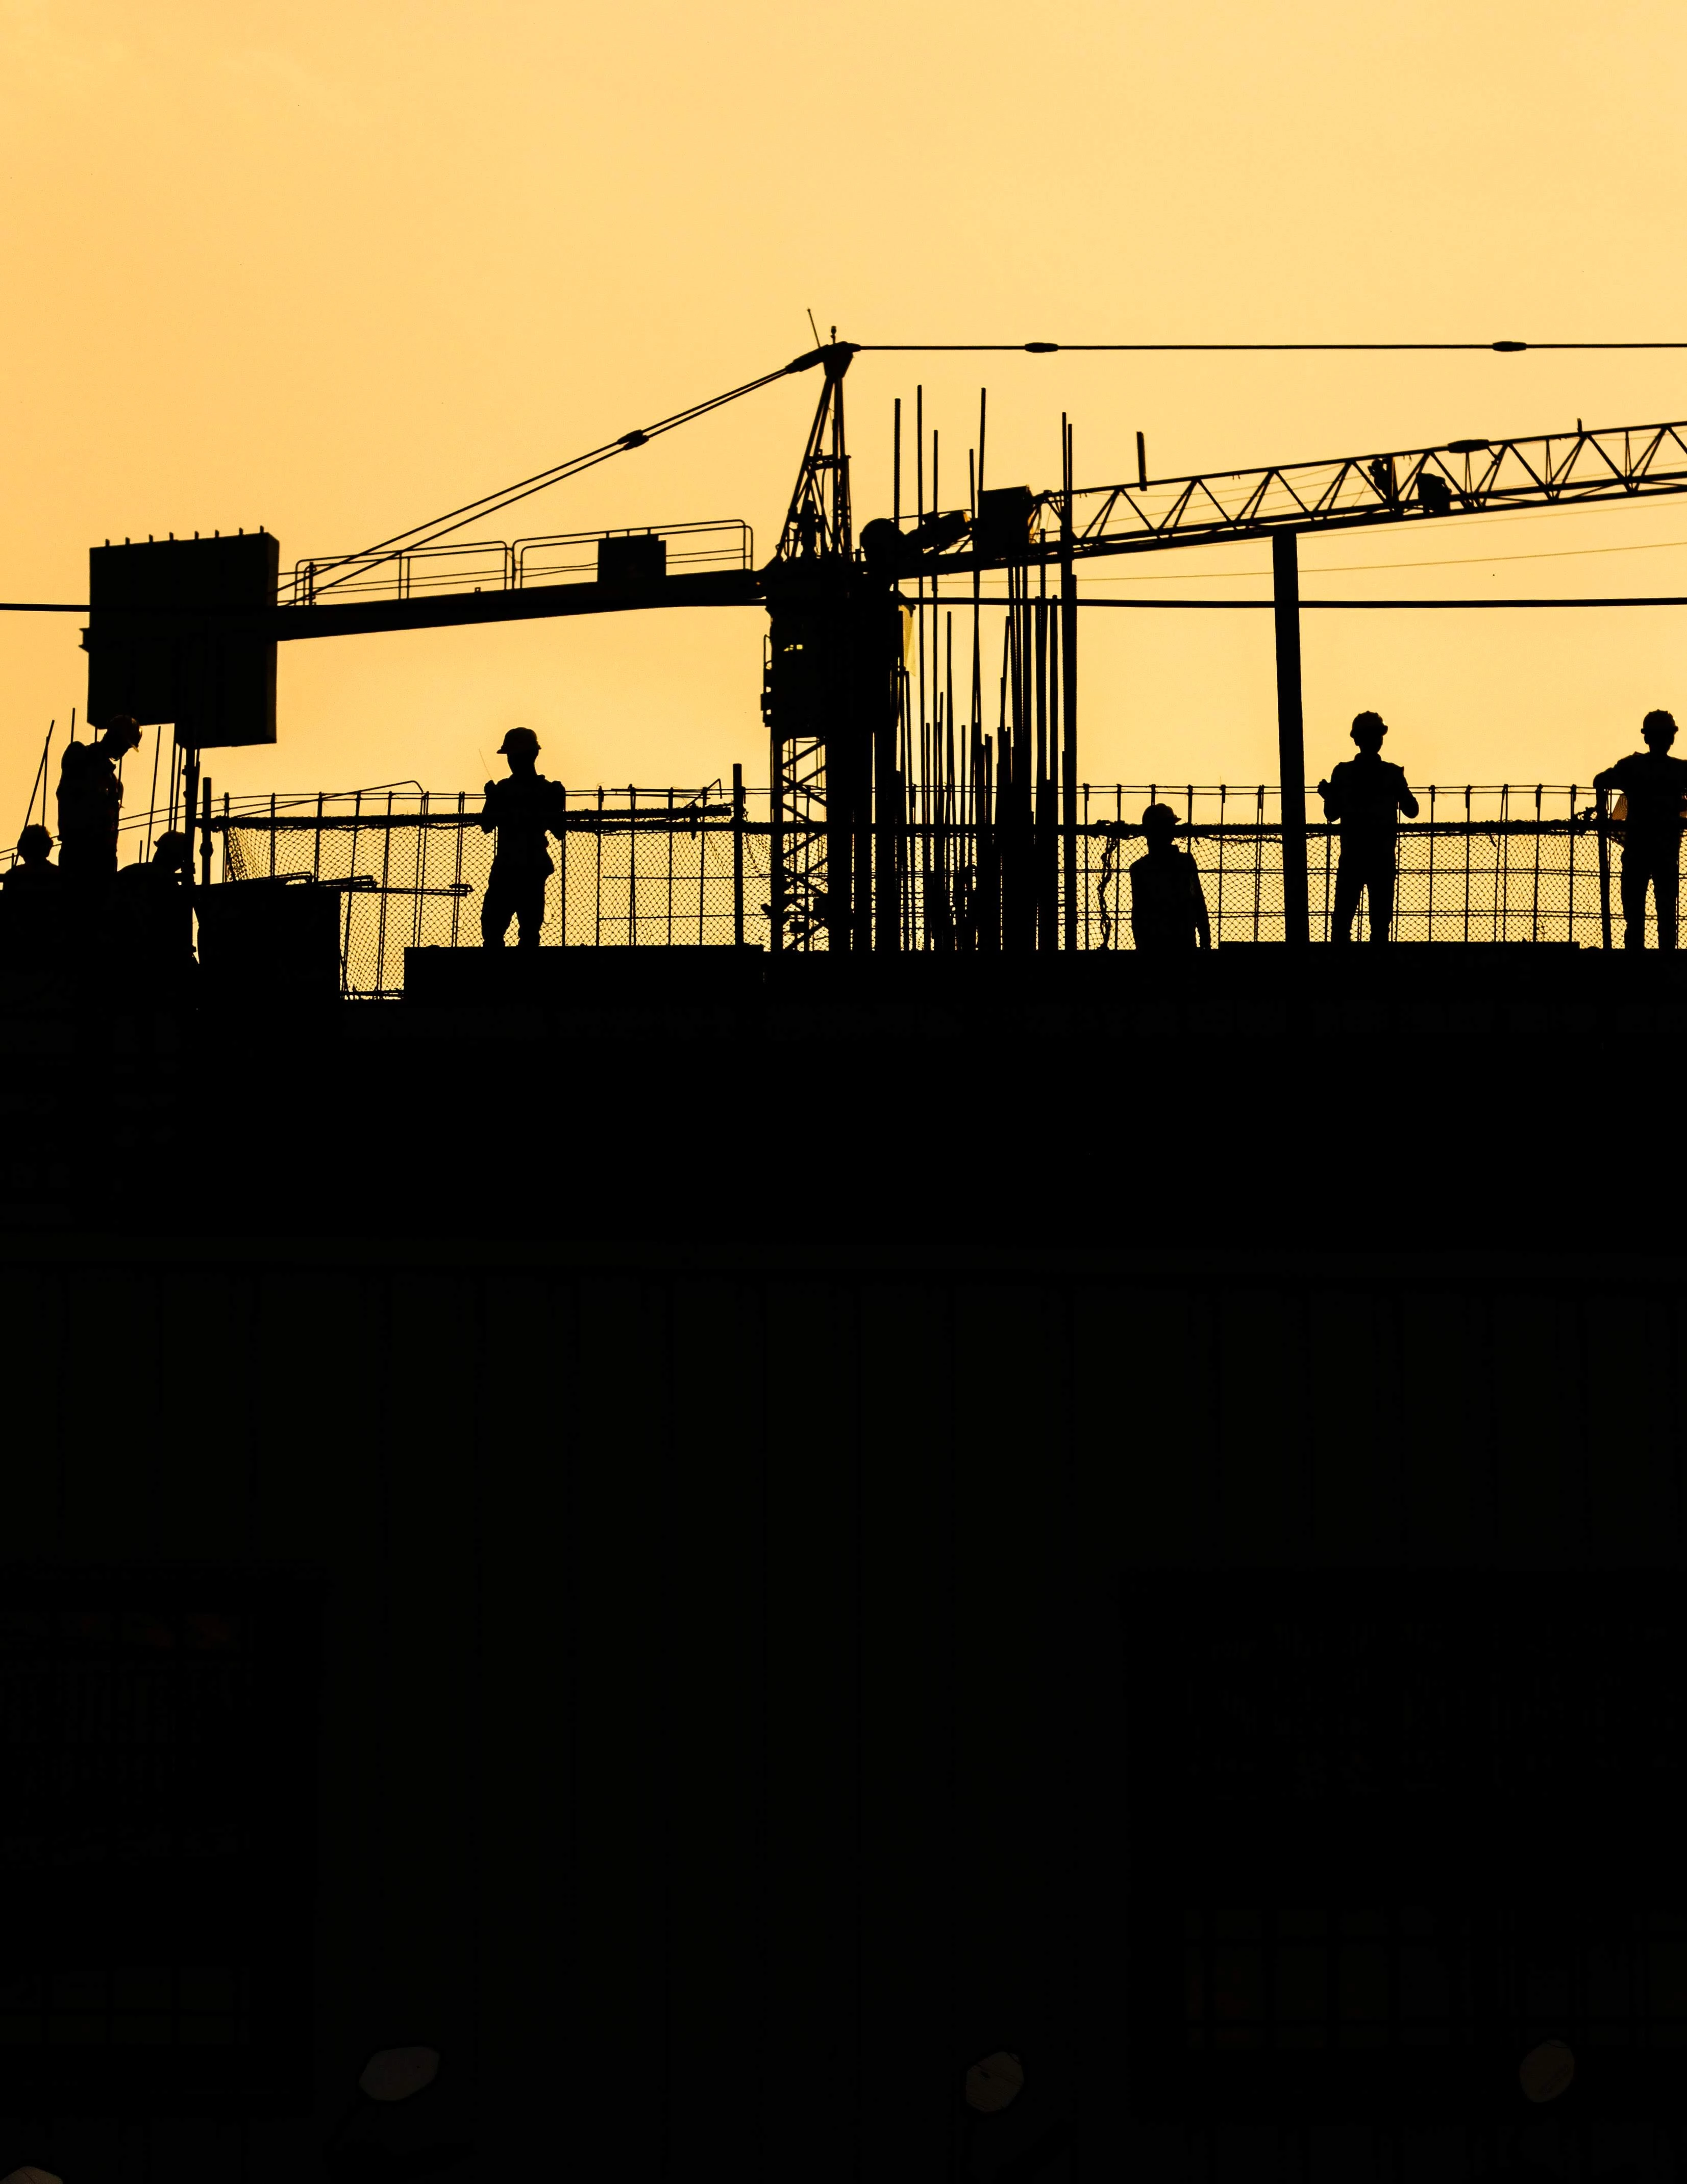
{"type": "Point", "coordinates": [838, 1479]}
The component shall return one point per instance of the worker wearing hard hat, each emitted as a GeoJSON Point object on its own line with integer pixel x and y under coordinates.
{"type": "Point", "coordinates": [1168, 908]}
{"type": "Point", "coordinates": [521, 810]}
{"type": "Point", "coordinates": [1367, 795]}
{"type": "Point", "coordinates": [1654, 785]}
{"type": "Point", "coordinates": [90, 803]}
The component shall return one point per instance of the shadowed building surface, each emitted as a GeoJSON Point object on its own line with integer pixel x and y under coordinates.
{"type": "Point", "coordinates": [718, 1617]}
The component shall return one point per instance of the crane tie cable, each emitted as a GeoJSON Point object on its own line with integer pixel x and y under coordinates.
{"type": "Point", "coordinates": [439, 526]}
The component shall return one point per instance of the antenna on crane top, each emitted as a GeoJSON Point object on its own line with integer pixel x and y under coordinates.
{"type": "Point", "coordinates": [815, 330]}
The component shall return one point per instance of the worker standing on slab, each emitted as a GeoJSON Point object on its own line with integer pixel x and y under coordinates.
{"type": "Point", "coordinates": [90, 805]}
{"type": "Point", "coordinates": [1653, 786]}
{"type": "Point", "coordinates": [1168, 908]}
{"type": "Point", "coordinates": [1366, 795]}
{"type": "Point", "coordinates": [521, 810]}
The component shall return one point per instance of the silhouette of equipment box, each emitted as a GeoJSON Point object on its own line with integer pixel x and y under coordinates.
{"type": "Point", "coordinates": [639, 558]}
{"type": "Point", "coordinates": [270, 936]}
{"type": "Point", "coordinates": [179, 631]}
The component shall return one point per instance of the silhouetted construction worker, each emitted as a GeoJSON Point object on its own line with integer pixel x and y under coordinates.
{"type": "Point", "coordinates": [520, 811]}
{"type": "Point", "coordinates": [1168, 908]}
{"type": "Point", "coordinates": [35, 872]}
{"type": "Point", "coordinates": [1653, 785]}
{"type": "Point", "coordinates": [151, 901]}
{"type": "Point", "coordinates": [1367, 795]}
{"type": "Point", "coordinates": [35, 895]}
{"type": "Point", "coordinates": [90, 803]}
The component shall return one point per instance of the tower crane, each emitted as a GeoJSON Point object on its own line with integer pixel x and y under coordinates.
{"type": "Point", "coordinates": [185, 630]}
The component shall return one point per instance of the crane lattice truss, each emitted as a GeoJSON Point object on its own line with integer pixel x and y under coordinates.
{"type": "Point", "coordinates": [1466, 477]}
{"type": "Point", "coordinates": [1563, 469]}
{"type": "Point", "coordinates": [830, 654]}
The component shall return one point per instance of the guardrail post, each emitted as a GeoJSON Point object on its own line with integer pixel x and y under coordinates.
{"type": "Point", "coordinates": [738, 856]}
{"type": "Point", "coordinates": [1291, 737]}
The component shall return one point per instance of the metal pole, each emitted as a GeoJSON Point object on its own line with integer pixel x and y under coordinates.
{"type": "Point", "coordinates": [1291, 737]}
{"type": "Point", "coordinates": [1604, 874]}
{"type": "Point", "coordinates": [886, 905]}
{"type": "Point", "coordinates": [738, 856]}
{"type": "Point", "coordinates": [190, 799]}
{"type": "Point", "coordinates": [1069, 693]}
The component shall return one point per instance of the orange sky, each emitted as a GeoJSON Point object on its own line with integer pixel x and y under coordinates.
{"type": "Point", "coordinates": [331, 269]}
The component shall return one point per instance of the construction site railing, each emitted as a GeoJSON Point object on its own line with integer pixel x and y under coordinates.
{"type": "Point", "coordinates": [638, 867]}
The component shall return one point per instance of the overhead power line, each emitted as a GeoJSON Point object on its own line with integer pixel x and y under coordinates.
{"type": "Point", "coordinates": [1237, 348]}
{"type": "Point", "coordinates": [1350, 606]}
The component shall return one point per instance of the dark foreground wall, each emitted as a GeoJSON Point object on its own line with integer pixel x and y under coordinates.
{"type": "Point", "coordinates": [771, 1656]}
{"type": "Point", "coordinates": [723, 1731]}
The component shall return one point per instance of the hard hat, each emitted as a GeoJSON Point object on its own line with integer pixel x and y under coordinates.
{"type": "Point", "coordinates": [172, 844]}
{"type": "Point", "coordinates": [519, 739]}
{"type": "Point", "coordinates": [125, 725]}
{"type": "Point", "coordinates": [1368, 721]}
{"type": "Point", "coordinates": [1159, 814]}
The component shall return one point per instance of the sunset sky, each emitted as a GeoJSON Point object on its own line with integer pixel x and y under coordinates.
{"type": "Point", "coordinates": [333, 268]}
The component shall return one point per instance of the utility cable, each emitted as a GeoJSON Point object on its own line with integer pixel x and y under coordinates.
{"type": "Point", "coordinates": [1234, 349]}
{"type": "Point", "coordinates": [1359, 606]}
{"type": "Point", "coordinates": [1365, 568]}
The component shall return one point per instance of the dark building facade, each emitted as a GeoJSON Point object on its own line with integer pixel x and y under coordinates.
{"type": "Point", "coordinates": [717, 1559]}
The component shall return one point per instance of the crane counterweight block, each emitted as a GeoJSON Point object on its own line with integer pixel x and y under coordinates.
{"type": "Point", "coordinates": [180, 630]}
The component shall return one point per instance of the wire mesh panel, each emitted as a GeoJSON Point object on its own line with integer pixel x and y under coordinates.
{"type": "Point", "coordinates": [632, 868]}
{"type": "Point", "coordinates": [655, 868]}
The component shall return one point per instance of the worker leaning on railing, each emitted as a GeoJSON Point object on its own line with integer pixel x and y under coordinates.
{"type": "Point", "coordinates": [1653, 786]}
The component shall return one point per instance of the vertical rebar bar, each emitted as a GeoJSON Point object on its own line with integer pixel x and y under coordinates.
{"type": "Point", "coordinates": [1069, 686]}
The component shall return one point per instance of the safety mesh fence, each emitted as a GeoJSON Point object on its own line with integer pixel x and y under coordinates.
{"type": "Point", "coordinates": [641, 868]}
{"type": "Point", "coordinates": [638, 868]}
